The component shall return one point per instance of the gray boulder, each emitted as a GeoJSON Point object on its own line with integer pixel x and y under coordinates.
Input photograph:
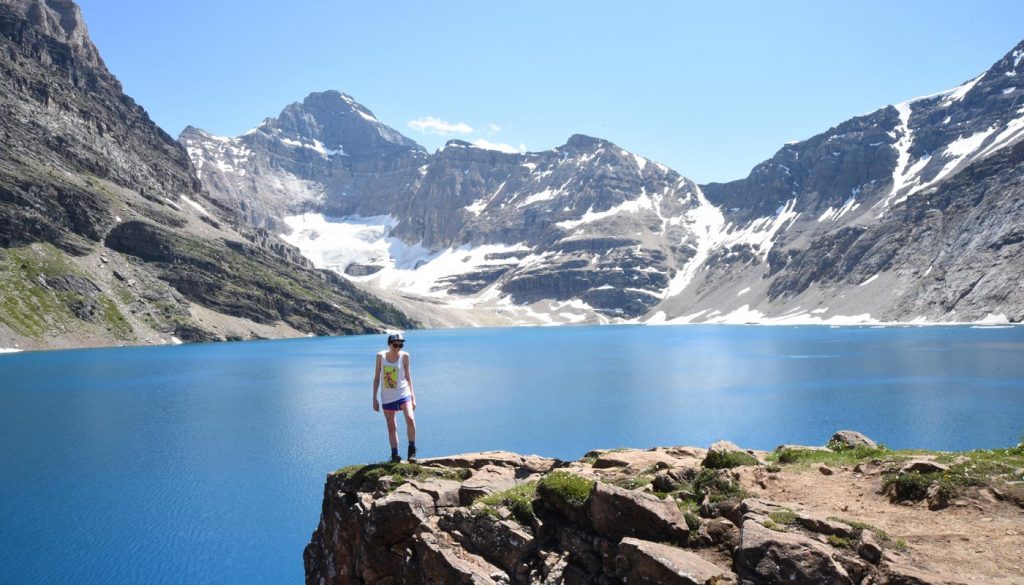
{"type": "Point", "coordinates": [396, 517]}
{"type": "Point", "coordinates": [769, 557]}
{"type": "Point", "coordinates": [869, 548]}
{"type": "Point", "coordinates": [923, 466]}
{"type": "Point", "coordinates": [440, 564]}
{"type": "Point", "coordinates": [486, 480]}
{"type": "Point", "coordinates": [850, 440]}
{"type": "Point", "coordinates": [641, 561]}
{"type": "Point", "coordinates": [501, 542]}
{"type": "Point", "coordinates": [618, 512]}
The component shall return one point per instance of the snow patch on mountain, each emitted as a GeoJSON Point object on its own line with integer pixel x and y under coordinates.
{"type": "Point", "coordinates": [832, 214]}
{"type": "Point", "coordinates": [705, 222]}
{"type": "Point", "coordinates": [195, 205]}
{"type": "Point", "coordinates": [904, 138]}
{"type": "Point", "coordinates": [227, 154]}
{"type": "Point", "coordinates": [337, 243]}
{"type": "Point", "coordinates": [961, 91]}
{"type": "Point", "coordinates": [642, 202]}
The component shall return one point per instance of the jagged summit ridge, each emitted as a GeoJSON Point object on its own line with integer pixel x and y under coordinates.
{"type": "Point", "coordinates": [338, 122]}
{"type": "Point", "coordinates": [58, 19]}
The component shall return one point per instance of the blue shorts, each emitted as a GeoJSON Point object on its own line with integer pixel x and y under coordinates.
{"type": "Point", "coordinates": [397, 405]}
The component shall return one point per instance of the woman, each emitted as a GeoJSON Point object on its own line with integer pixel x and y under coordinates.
{"type": "Point", "coordinates": [396, 393]}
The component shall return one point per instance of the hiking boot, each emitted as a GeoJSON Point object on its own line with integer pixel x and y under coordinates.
{"type": "Point", "coordinates": [396, 458]}
{"type": "Point", "coordinates": [412, 455]}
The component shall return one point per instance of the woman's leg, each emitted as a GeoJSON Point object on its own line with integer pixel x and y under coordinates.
{"type": "Point", "coordinates": [389, 416]}
{"type": "Point", "coordinates": [410, 421]}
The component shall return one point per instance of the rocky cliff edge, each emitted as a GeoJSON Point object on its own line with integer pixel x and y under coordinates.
{"type": "Point", "coordinates": [852, 512]}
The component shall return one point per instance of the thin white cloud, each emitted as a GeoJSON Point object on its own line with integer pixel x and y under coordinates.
{"type": "Point", "coordinates": [432, 125]}
{"type": "Point", "coordinates": [493, 129]}
{"type": "Point", "coordinates": [483, 143]}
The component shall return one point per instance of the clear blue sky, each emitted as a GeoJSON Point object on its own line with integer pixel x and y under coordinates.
{"type": "Point", "coordinates": [709, 88]}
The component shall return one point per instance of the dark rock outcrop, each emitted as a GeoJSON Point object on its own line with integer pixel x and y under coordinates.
{"type": "Point", "coordinates": [578, 522]}
{"type": "Point", "coordinates": [84, 169]}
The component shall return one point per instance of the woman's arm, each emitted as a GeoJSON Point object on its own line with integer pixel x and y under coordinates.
{"type": "Point", "coordinates": [408, 378]}
{"type": "Point", "coordinates": [376, 382]}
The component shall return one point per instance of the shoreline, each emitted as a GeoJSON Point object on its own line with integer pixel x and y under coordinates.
{"type": "Point", "coordinates": [865, 325]}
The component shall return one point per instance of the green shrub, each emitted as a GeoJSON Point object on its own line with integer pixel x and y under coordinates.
{"type": "Point", "coordinates": [692, 521]}
{"type": "Point", "coordinates": [911, 486]}
{"type": "Point", "coordinates": [728, 459]}
{"type": "Point", "coordinates": [519, 500]}
{"type": "Point", "coordinates": [716, 487]}
{"type": "Point", "coordinates": [570, 488]}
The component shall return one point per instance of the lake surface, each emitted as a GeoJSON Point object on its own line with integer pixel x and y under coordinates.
{"type": "Point", "coordinates": [205, 463]}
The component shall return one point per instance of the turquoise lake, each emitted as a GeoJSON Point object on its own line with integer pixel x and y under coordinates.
{"type": "Point", "coordinates": [205, 463]}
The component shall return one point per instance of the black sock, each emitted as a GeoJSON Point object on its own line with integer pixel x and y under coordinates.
{"type": "Point", "coordinates": [412, 445]}
{"type": "Point", "coordinates": [394, 451]}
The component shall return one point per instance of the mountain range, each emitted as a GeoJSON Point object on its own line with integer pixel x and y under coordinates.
{"type": "Point", "coordinates": [325, 220]}
{"type": "Point", "coordinates": [910, 213]}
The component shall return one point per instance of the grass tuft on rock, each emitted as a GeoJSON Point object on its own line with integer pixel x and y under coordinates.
{"type": "Point", "coordinates": [519, 500]}
{"type": "Point", "coordinates": [570, 488]}
{"type": "Point", "coordinates": [401, 472]}
{"type": "Point", "coordinates": [841, 542]}
{"type": "Point", "coordinates": [728, 459]}
{"type": "Point", "coordinates": [633, 483]}
{"type": "Point", "coordinates": [784, 516]}
{"type": "Point", "coordinates": [859, 527]}
{"type": "Point", "coordinates": [843, 457]}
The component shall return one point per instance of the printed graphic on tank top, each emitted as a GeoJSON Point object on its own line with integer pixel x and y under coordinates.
{"type": "Point", "coordinates": [393, 385]}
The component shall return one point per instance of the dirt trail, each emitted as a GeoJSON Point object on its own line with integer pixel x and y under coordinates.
{"type": "Point", "coordinates": [978, 539]}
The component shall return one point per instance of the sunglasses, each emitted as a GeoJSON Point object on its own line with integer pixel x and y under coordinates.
{"type": "Point", "coordinates": [398, 344]}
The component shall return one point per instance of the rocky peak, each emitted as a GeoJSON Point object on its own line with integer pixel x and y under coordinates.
{"type": "Point", "coordinates": [59, 19]}
{"type": "Point", "coordinates": [584, 142]}
{"type": "Point", "coordinates": [339, 124]}
{"type": "Point", "coordinates": [460, 150]}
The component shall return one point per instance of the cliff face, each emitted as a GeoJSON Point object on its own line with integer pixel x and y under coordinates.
{"type": "Point", "coordinates": [673, 516]}
{"type": "Point", "coordinates": [93, 193]}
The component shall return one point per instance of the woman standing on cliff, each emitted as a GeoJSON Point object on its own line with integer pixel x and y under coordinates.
{"type": "Point", "coordinates": [396, 392]}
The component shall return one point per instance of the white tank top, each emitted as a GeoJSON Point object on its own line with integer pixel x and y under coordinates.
{"type": "Point", "coordinates": [393, 384]}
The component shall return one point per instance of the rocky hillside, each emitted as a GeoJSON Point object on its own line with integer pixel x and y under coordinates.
{"type": "Point", "coordinates": [909, 213]}
{"type": "Point", "coordinates": [850, 513]}
{"type": "Point", "coordinates": [106, 234]}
